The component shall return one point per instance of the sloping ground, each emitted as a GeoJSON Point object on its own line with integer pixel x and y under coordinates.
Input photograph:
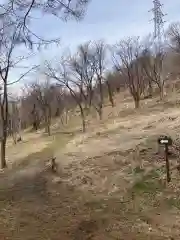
{"type": "Point", "coordinates": [125, 133]}
{"type": "Point", "coordinates": [110, 183]}
{"type": "Point", "coordinates": [31, 143]}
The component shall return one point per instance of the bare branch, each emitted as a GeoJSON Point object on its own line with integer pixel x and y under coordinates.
{"type": "Point", "coordinates": [23, 75]}
{"type": "Point", "coordinates": [127, 60]}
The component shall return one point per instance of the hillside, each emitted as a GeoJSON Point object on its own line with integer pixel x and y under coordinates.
{"type": "Point", "coordinates": [110, 182]}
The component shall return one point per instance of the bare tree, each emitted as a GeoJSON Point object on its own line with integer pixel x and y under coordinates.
{"type": "Point", "coordinates": [81, 68]}
{"type": "Point", "coordinates": [99, 65]}
{"type": "Point", "coordinates": [14, 120]}
{"type": "Point", "coordinates": [44, 98]}
{"type": "Point", "coordinates": [173, 33]}
{"type": "Point", "coordinates": [154, 68]}
{"type": "Point", "coordinates": [15, 21]}
{"type": "Point", "coordinates": [37, 96]}
{"type": "Point", "coordinates": [155, 60]}
{"type": "Point", "coordinates": [30, 109]}
{"type": "Point", "coordinates": [145, 60]}
{"type": "Point", "coordinates": [36, 118]}
{"type": "Point", "coordinates": [10, 38]}
{"type": "Point", "coordinates": [88, 69]}
{"type": "Point", "coordinates": [90, 65]}
{"type": "Point", "coordinates": [110, 92]}
{"type": "Point", "coordinates": [126, 60]}
{"type": "Point", "coordinates": [63, 76]}
{"type": "Point", "coordinates": [116, 80]}
{"type": "Point", "coordinates": [59, 101]}
{"type": "Point", "coordinates": [21, 13]}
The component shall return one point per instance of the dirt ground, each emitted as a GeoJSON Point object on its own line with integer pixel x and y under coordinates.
{"type": "Point", "coordinates": [110, 184]}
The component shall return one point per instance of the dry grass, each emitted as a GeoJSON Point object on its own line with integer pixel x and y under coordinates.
{"type": "Point", "coordinates": [110, 182]}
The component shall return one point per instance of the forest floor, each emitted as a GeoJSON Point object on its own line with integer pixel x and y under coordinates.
{"type": "Point", "coordinates": [110, 184]}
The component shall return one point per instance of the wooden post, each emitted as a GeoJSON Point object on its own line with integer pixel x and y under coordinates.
{"type": "Point", "coordinates": [167, 164]}
{"type": "Point", "coordinates": [166, 142]}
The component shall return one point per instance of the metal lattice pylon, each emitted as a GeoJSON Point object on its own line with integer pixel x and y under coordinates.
{"type": "Point", "coordinates": [158, 22]}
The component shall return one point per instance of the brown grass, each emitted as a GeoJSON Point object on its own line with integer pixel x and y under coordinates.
{"type": "Point", "coordinates": [110, 182]}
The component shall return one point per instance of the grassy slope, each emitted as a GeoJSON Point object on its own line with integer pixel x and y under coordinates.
{"type": "Point", "coordinates": [110, 184]}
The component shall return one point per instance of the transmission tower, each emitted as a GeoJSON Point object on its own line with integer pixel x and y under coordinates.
{"type": "Point", "coordinates": [158, 20]}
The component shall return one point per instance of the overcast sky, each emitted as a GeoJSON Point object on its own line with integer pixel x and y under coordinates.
{"type": "Point", "coordinates": [108, 20]}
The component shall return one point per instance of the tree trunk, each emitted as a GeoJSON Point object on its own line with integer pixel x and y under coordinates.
{"type": "Point", "coordinates": [14, 136]}
{"type": "Point", "coordinates": [136, 101]}
{"type": "Point", "coordinates": [90, 95]}
{"type": "Point", "coordinates": [62, 119]}
{"type": "Point", "coordinates": [66, 116]}
{"type": "Point", "coordinates": [4, 110]}
{"type": "Point", "coordinates": [150, 88]}
{"type": "Point", "coordinates": [57, 114]}
{"type": "Point", "coordinates": [35, 125]}
{"type": "Point", "coordinates": [80, 107]}
{"type": "Point", "coordinates": [100, 114]}
{"type": "Point", "coordinates": [48, 129]}
{"type": "Point", "coordinates": [110, 94]}
{"type": "Point", "coordinates": [47, 119]}
{"type": "Point", "coordinates": [47, 126]}
{"type": "Point", "coordinates": [3, 153]}
{"type": "Point", "coordinates": [101, 92]}
{"type": "Point", "coordinates": [4, 118]}
{"type": "Point", "coordinates": [84, 125]}
{"type": "Point", "coordinates": [83, 119]}
{"type": "Point", "coordinates": [99, 110]}
{"type": "Point", "coordinates": [161, 92]}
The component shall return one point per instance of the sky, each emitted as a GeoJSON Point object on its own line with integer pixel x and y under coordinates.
{"type": "Point", "coordinates": [107, 20]}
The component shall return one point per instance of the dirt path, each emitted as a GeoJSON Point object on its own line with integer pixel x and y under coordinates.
{"type": "Point", "coordinates": [85, 201]}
